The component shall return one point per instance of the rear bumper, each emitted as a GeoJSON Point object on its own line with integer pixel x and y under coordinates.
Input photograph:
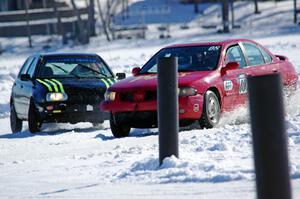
{"type": "Point", "coordinates": [190, 108]}
{"type": "Point", "coordinates": [66, 113]}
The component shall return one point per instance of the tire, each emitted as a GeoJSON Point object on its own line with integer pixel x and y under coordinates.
{"type": "Point", "coordinates": [117, 129]}
{"type": "Point", "coordinates": [15, 123]}
{"type": "Point", "coordinates": [34, 123]}
{"type": "Point", "coordinates": [211, 110]}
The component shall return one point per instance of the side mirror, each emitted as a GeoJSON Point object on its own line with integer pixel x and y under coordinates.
{"type": "Point", "coordinates": [230, 66]}
{"type": "Point", "coordinates": [25, 77]}
{"type": "Point", "coordinates": [121, 76]}
{"type": "Point", "coordinates": [135, 71]}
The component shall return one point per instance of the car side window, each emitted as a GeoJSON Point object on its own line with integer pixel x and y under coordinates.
{"type": "Point", "coordinates": [235, 54]}
{"type": "Point", "coordinates": [25, 66]}
{"type": "Point", "coordinates": [253, 54]}
{"type": "Point", "coordinates": [267, 57]}
{"type": "Point", "coordinates": [32, 67]}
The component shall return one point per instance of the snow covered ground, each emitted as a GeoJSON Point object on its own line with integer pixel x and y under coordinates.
{"type": "Point", "coordinates": [80, 161]}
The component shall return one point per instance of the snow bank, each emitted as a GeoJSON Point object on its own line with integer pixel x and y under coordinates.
{"type": "Point", "coordinates": [79, 161]}
{"type": "Point", "coordinates": [205, 156]}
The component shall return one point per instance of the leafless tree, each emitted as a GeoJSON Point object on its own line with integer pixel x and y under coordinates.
{"type": "Point", "coordinates": [60, 26]}
{"type": "Point", "coordinates": [296, 11]}
{"type": "Point", "coordinates": [125, 9]}
{"type": "Point", "coordinates": [225, 16]}
{"type": "Point", "coordinates": [91, 18]}
{"type": "Point", "coordinates": [256, 11]}
{"type": "Point", "coordinates": [47, 27]}
{"type": "Point", "coordinates": [27, 24]}
{"type": "Point", "coordinates": [83, 36]}
{"type": "Point", "coordinates": [196, 6]}
{"type": "Point", "coordinates": [103, 21]}
{"type": "Point", "coordinates": [232, 13]}
{"type": "Point", "coordinates": [107, 11]}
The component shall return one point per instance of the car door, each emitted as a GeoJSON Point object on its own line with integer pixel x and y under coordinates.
{"type": "Point", "coordinates": [18, 91]}
{"type": "Point", "coordinates": [28, 86]}
{"type": "Point", "coordinates": [270, 65]}
{"type": "Point", "coordinates": [258, 62]}
{"type": "Point", "coordinates": [276, 67]}
{"type": "Point", "coordinates": [235, 80]}
{"type": "Point", "coordinates": [256, 66]}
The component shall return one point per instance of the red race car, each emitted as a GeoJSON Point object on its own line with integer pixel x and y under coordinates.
{"type": "Point", "coordinates": [211, 79]}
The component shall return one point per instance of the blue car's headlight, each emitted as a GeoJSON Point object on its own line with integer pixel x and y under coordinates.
{"type": "Point", "coordinates": [54, 97]}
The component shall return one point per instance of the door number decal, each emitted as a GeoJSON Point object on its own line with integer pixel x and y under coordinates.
{"type": "Point", "coordinates": [243, 87]}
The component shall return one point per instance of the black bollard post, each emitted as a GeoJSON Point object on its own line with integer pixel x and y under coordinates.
{"type": "Point", "coordinates": [167, 103]}
{"type": "Point", "coordinates": [269, 137]}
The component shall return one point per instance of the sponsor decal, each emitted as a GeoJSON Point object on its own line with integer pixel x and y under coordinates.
{"type": "Point", "coordinates": [83, 60]}
{"type": "Point", "coordinates": [60, 85]}
{"type": "Point", "coordinates": [105, 82]}
{"type": "Point", "coordinates": [214, 48]}
{"type": "Point", "coordinates": [228, 85]}
{"type": "Point", "coordinates": [52, 85]}
{"type": "Point", "coordinates": [108, 82]}
{"type": "Point", "coordinates": [45, 84]}
{"type": "Point", "coordinates": [242, 80]}
{"type": "Point", "coordinates": [196, 108]}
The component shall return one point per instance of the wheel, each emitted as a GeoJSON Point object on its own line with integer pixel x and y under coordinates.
{"type": "Point", "coordinates": [34, 123]}
{"type": "Point", "coordinates": [211, 110]}
{"type": "Point", "coordinates": [15, 123]}
{"type": "Point", "coordinates": [117, 129]}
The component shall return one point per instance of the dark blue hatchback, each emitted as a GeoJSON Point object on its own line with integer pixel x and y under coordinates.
{"type": "Point", "coordinates": [60, 88]}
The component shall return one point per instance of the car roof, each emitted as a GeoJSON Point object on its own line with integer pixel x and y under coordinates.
{"type": "Point", "coordinates": [65, 54]}
{"type": "Point", "coordinates": [219, 43]}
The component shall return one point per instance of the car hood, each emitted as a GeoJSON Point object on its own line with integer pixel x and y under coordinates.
{"type": "Point", "coordinates": [149, 81]}
{"type": "Point", "coordinates": [74, 85]}
{"type": "Point", "coordinates": [97, 85]}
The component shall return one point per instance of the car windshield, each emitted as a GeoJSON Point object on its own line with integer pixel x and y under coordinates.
{"type": "Point", "coordinates": [191, 58]}
{"type": "Point", "coordinates": [74, 67]}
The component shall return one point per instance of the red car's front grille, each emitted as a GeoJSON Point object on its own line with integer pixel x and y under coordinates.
{"type": "Point", "coordinates": [150, 96]}
{"type": "Point", "coordinates": [126, 97]}
{"type": "Point", "coordinates": [138, 96]}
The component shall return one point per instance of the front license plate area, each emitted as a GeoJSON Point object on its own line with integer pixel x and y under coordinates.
{"type": "Point", "coordinates": [89, 107]}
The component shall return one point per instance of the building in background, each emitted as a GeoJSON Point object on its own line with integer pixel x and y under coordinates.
{"type": "Point", "coordinates": [10, 5]}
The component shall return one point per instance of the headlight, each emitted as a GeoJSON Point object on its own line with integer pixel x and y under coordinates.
{"type": "Point", "coordinates": [54, 97]}
{"type": "Point", "coordinates": [187, 91]}
{"type": "Point", "coordinates": [110, 95]}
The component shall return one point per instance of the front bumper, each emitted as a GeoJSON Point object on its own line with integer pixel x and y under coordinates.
{"type": "Point", "coordinates": [71, 113]}
{"type": "Point", "coordinates": [190, 108]}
